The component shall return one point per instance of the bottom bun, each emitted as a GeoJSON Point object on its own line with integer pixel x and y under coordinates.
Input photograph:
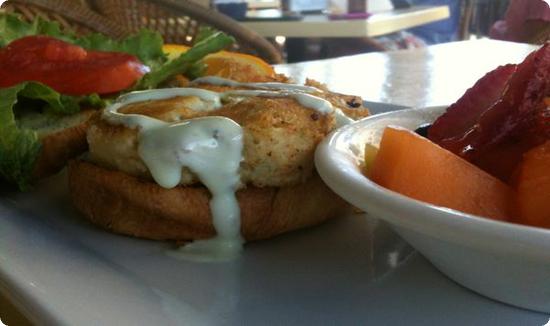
{"type": "Point", "coordinates": [125, 204]}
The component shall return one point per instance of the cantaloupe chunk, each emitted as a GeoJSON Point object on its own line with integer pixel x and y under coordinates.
{"type": "Point", "coordinates": [414, 166]}
{"type": "Point", "coordinates": [533, 187]}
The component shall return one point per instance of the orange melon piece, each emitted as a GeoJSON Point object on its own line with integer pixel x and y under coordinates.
{"type": "Point", "coordinates": [533, 187]}
{"type": "Point", "coordinates": [415, 167]}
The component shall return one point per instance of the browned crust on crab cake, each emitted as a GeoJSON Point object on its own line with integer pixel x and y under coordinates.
{"type": "Point", "coordinates": [128, 205]}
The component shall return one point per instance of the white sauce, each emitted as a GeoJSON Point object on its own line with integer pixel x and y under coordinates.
{"type": "Point", "coordinates": [341, 118]}
{"type": "Point", "coordinates": [198, 144]}
{"type": "Point", "coordinates": [272, 89]}
{"type": "Point", "coordinates": [112, 115]}
{"type": "Point", "coordinates": [309, 101]}
{"type": "Point", "coordinates": [219, 81]}
{"type": "Point", "coordinates": [211, 147]}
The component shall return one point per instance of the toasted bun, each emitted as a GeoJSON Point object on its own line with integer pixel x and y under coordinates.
{"type": "Point", "coordinates": [61, 143]}
{"type": "Point", "coordinates": [128, 205]}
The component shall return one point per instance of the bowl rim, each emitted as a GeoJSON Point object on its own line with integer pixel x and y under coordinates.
{"type": "Point", "coordinates": [338, 167]}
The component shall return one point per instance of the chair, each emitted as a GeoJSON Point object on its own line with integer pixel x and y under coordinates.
{"type": "Point", "coordinates": [466, 14]}
{"type": "Point", "coordinates": [179, 21]}
{"type": "Point", "coordinates": [68, 13]}
{"type": "Point", "coordinates": [117, 19]}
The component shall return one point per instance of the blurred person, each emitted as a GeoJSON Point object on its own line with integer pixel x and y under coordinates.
{"type": "Point", "coordinates": [523, 20]}
{"type": "Point", "coordinates": [442, 31]}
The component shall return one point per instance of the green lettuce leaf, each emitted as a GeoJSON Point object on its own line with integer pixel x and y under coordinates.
{"type": "Point", "coordinates": [19, 147]}
{"type": "Point", "coordinates": [146, 45]}
{"type": "Point", "coordinates": [12, 28]}
{"type": "Point", "coordinates": [189, 61]}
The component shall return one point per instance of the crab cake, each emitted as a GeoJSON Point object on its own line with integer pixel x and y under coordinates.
{"type": "Point", "coordinates": [274, 188]}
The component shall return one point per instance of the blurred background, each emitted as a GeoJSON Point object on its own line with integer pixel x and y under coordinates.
{"type": "Point", "coordinates": [302, 30]}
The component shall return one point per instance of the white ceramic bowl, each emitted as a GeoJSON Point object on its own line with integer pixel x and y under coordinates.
{"type": "Point", "coordinates": [503, 261]}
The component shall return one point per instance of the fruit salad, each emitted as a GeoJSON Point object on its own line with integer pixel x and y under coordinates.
{"type": "Point", "coordinates": [487, 155]}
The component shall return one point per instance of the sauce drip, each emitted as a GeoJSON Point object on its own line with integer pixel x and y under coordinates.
{"type": "Point", "coordinates": [197, 144]}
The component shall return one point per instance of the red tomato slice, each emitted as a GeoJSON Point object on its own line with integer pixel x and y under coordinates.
{"type": "Point", "coordinates": [67, 68]}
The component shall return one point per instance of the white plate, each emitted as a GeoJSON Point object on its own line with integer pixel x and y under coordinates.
{"type": "Point", "coordinates": [353, 270]}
